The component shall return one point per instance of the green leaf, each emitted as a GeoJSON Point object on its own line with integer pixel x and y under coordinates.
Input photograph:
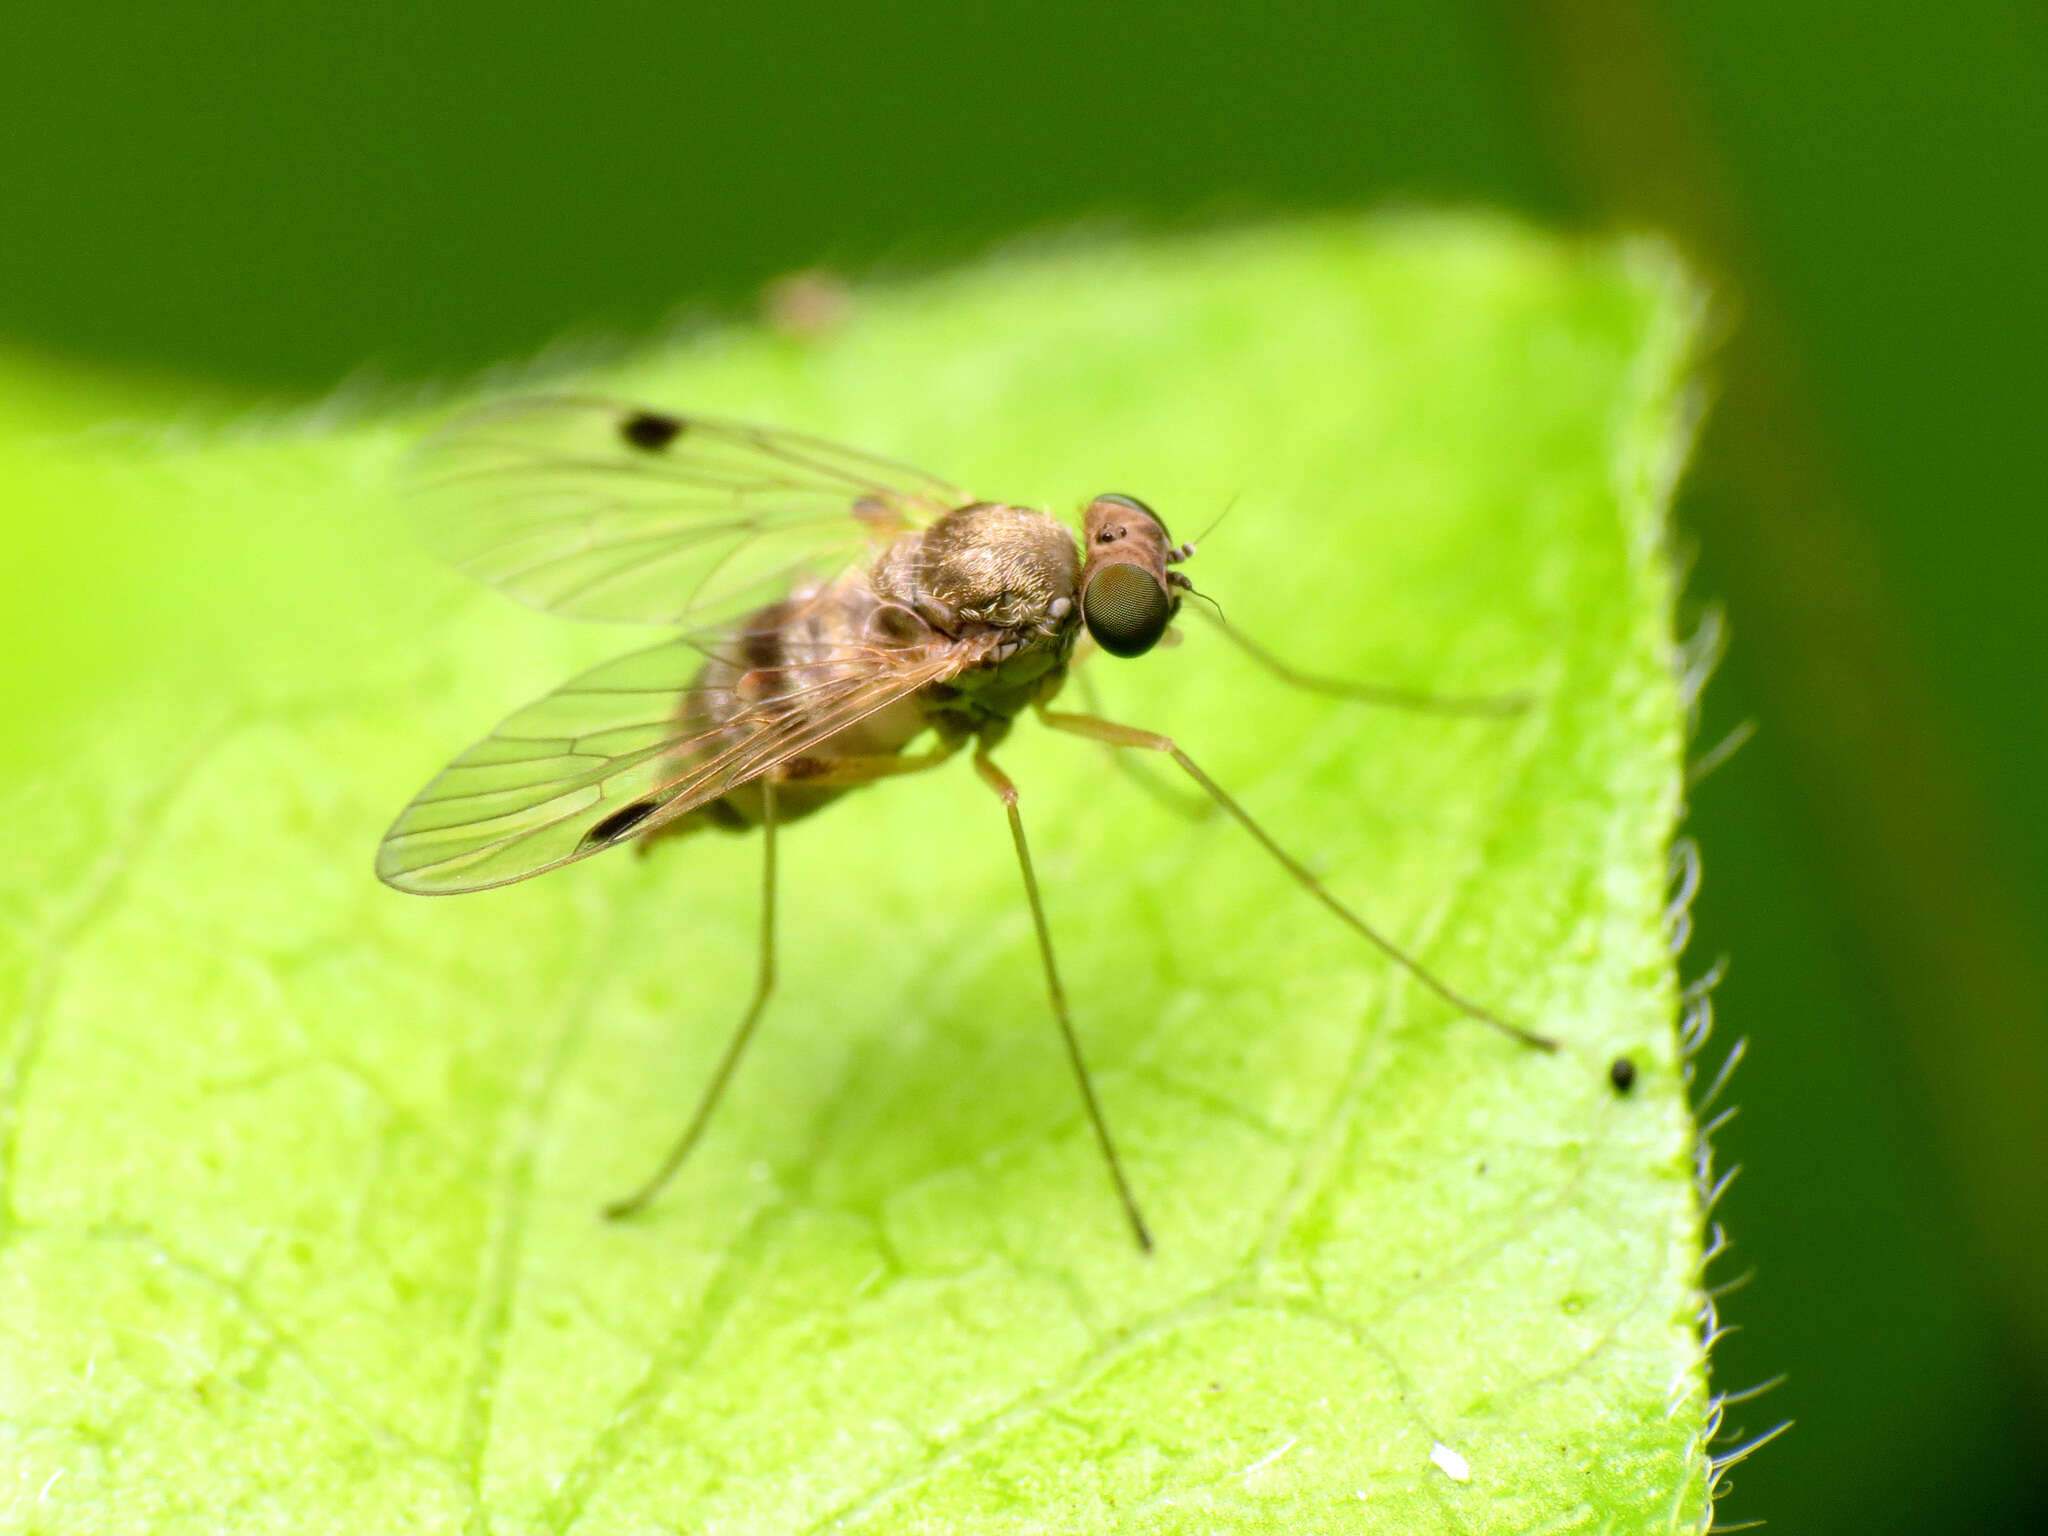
{"type": "Point", "coordinates": [302, 1175]}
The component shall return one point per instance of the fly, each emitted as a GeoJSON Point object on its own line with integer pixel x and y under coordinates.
{"type": "Point", "coordinates": [837, 609]}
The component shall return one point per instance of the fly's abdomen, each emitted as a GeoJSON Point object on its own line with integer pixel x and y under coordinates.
{"type": "Point", "coordinates": [779, 662]}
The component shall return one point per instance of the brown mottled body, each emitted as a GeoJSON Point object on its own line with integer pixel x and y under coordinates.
{"type": "Point", "coordinates": [986, 571]}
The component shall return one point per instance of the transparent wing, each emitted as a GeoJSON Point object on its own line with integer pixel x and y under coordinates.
{"type": "Point", "coordinates": [633, 744]}
{"type": "Point", "coordinates": [602, 509]}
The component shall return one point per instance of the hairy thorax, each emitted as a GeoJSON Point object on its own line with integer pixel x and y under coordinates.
{"type": "Point", "coordinates": [982, 567]}
{"type": "Point", "coordinates": [993, 569]}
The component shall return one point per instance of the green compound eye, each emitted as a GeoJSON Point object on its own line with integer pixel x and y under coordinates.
{"type": "Point", "coordinates": [1125, 609]}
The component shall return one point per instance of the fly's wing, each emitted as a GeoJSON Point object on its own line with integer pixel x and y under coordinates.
{"type": "Point", "coordinates": [601, 509]}
{"type": "Point", "coordinates": [624, 749]}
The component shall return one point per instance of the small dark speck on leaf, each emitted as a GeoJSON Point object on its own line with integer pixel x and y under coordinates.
{"type": "Point", "coordinates": [1622, 1074]}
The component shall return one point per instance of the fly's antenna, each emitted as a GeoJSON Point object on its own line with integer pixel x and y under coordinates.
{"type": "Point", "coordinates": [1174, 578]}
{"type": "Point", "coordinates": [1188, 548]}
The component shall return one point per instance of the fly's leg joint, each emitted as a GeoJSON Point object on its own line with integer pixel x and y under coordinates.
{"type": "Point", "coordinates": [994, 777]}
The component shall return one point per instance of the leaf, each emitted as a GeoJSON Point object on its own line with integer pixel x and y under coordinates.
{"type": "Point", "coordinates": [302, 1175]}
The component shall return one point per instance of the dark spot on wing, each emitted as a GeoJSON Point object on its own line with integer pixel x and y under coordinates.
{"type": "Point", "coordinates": [650, 430]}
{"type": "Point", "coordinates": [620, 822]}
{"type": "Point", "coordinates": [1622, 1074]}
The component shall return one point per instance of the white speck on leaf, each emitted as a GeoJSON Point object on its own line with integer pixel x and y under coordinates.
{"type": "Point", "coordinates": [1271, 1456]}
{"type": "Point", "coordinates": [1454, 1466]}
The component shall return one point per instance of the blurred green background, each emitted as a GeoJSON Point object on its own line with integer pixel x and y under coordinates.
{"type": "Point", "coordinates": [263, 202]}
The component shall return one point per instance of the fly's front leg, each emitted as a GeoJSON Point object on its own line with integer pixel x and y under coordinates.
{"type": "Point", "coordinates": [1129, 736]}
{"type": "Point", "coordinates": [1371, 693]}
{"type": "Point", "coordinates": [997, 780]}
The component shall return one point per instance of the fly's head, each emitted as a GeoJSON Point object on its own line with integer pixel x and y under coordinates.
{"type": "Point", "coordinates": [1129, 589]}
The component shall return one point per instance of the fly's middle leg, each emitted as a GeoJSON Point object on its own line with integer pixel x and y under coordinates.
{"type": "Point", "coordinates": [997, 780]}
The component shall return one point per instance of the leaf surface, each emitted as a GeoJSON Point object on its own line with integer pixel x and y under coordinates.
{"type": "Point", "coordinates": [302, 1175]}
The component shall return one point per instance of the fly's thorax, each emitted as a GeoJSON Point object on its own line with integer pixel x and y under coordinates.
{"type": "Point", "coordinates": [986, 566]}
{"type": "Point", "coordinates": [1128, 595]}
{"type": "Point", "coordinates": [1019, 673]}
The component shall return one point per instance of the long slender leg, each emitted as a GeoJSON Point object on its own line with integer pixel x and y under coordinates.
{"type": "Point", "coordinates": [1129, 736]}
{"type": "Point", "coordinates": [1370, 693]}
{"type": "Point", "coordinates": [814, 773]}
{"type": "Point", "coordinates": [1173, 799]}
{"type": "Point", "coordinates": [764, 984]}
{"type": "Point", "coordinates": [999, 781]}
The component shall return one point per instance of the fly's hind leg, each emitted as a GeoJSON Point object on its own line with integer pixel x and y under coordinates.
{"type": "Point", "coordinates": [763, 985]}
{"type": "Point", "coordinates": [843, 772]}
{"type": "Point", "coordinates": [1129, 736]}
{"type": "Point", "coordinates": [997, 780]}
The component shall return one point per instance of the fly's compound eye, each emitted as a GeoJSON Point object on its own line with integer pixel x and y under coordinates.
{"type": "Point", "coordinates": [1126, 611]}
